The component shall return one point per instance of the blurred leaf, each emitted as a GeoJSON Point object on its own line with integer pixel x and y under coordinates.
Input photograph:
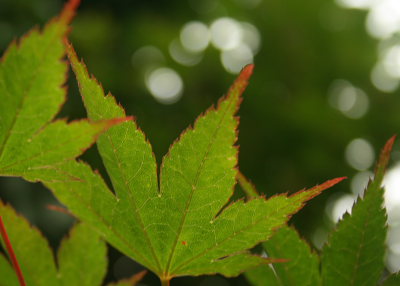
{"type": "Point", "coordinates": [132, 281]}
{"type": "Point", "coordinates": [262, 275]}
{"type": "Point", "coordinates": [81, 258]}
{"type": "Point", "coordinates": [301, 266]}
{"type": "Point", "coordinates": [7, 273]}
{"type": "Point", "coordinates": [32, 74]}
{"type": "Point", "coordinates": [354, 254]}
{"type": "Point", "coordinates": [392, 280]}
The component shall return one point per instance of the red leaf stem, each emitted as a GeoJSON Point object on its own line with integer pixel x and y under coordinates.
{"type": "Point", "coordinates": [11, 253]}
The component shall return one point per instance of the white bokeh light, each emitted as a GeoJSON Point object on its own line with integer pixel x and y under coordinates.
{"type": "Point", "coordinates": [382, 80]}
{"type": "Point", "coordinates": [251, 36]}
{"type": "Point", "coordinates": [226, 33]}
{"type": "Point", "coordinates": [182, 56]}
{"type": "Point", "coordinates": [147, 56]}
{"type": "Point", "coordinates": [359, 154]}
{"type": "Point", "coordinates": [356, 4]}
{"type": "Point", "coordinates": [235, 59]}
{"type": "Point", "coordinates": [350, 100]}
{"type": "Point", "coordinates": [360, 182]}
{"type": "Point", "coordinates": [165, 85]}
{"type": "Point", "coordinates": [195, 36]}
{"type": "Point", "coordinates": [391, 185]}
{"type": "Point", "coordinates": [339, 205]}
{"type": "Point", "coordinates": [392, 193]}
{"type": "Point", "coordinates": [391, 61]}
{"type": "Point", "coordinates": [383, 19]}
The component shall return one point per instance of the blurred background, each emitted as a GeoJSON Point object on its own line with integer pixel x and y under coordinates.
{"type": "Point", "coordinates": [323, 99]}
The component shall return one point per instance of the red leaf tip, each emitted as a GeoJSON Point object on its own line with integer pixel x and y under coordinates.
{"type": "Point", "coordinates": [69, 11]}
{"type": "Point", "coordinates": [246, 72]}
{"type": "Point", "coordinates": [384, 158]}
{"type": "Point", "coordinates": [389, 145]}
{"type": "Point", "coordinates": [332, 182]}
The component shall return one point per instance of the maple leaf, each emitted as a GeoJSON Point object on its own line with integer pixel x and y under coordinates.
{"type": "Point", "coordinates": [32, 74]}
{"type": "Point", "coordinates": [181, 227]}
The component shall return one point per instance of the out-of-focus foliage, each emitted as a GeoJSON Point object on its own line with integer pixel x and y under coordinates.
{"type": "Point", "coordinates": [293, 130]}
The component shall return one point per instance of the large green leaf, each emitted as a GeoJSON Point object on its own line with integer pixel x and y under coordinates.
{"type": "Point", "coordinates": [354, 254]}
{"type": "Point", "coordinates": [81, 258]}
{"type": "Point", "coordinates": [32, 74]}
{"type": "Point", "coordinates": [181, 228]}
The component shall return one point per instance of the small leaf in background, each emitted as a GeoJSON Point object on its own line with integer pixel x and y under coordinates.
{"type": "Point", "coordinates": [354, 254]}
{"type": "Point", "coordinates": [182, 227]}
{"type": "Point", "coordinates": [302, 265]}
{"type": "Point", "coordinates": [32, 75]}
{"type": "Point", "coordinates": [82, 257]}
{"type": "Point", "coordinates": [262, 275]}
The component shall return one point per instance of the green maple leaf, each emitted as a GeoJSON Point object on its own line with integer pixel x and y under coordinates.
{"type": "Point", "coordinates": [81, 257]}
{"type": "Point", "coordinates": [32, 74]}
{"type": "Point", "coordinates": [181, 227]}
{"type": "Point", "coordinates": [354, 254]}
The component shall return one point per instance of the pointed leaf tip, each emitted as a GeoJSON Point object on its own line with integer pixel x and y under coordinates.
{"type": "Point", "coordinates": [137, 277]}
{"type": "Point", "coordinates": [332, 182]}
{"type": "Point", "coordinates": [69, 11]}
{"type": "Point", "coordinates": [319, 188]}
{"type": "Point", "coordinates": [246, 72]}
{"type": "Point", "coordinates": [241, 81]}
{"type": "Point", "coordinates": [384, 158]}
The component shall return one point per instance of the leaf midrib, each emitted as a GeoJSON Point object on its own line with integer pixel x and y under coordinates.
{"type": "Point", "coordinates": [136, 213]}
{"type": "Point", "coordinates": [194, 188]}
